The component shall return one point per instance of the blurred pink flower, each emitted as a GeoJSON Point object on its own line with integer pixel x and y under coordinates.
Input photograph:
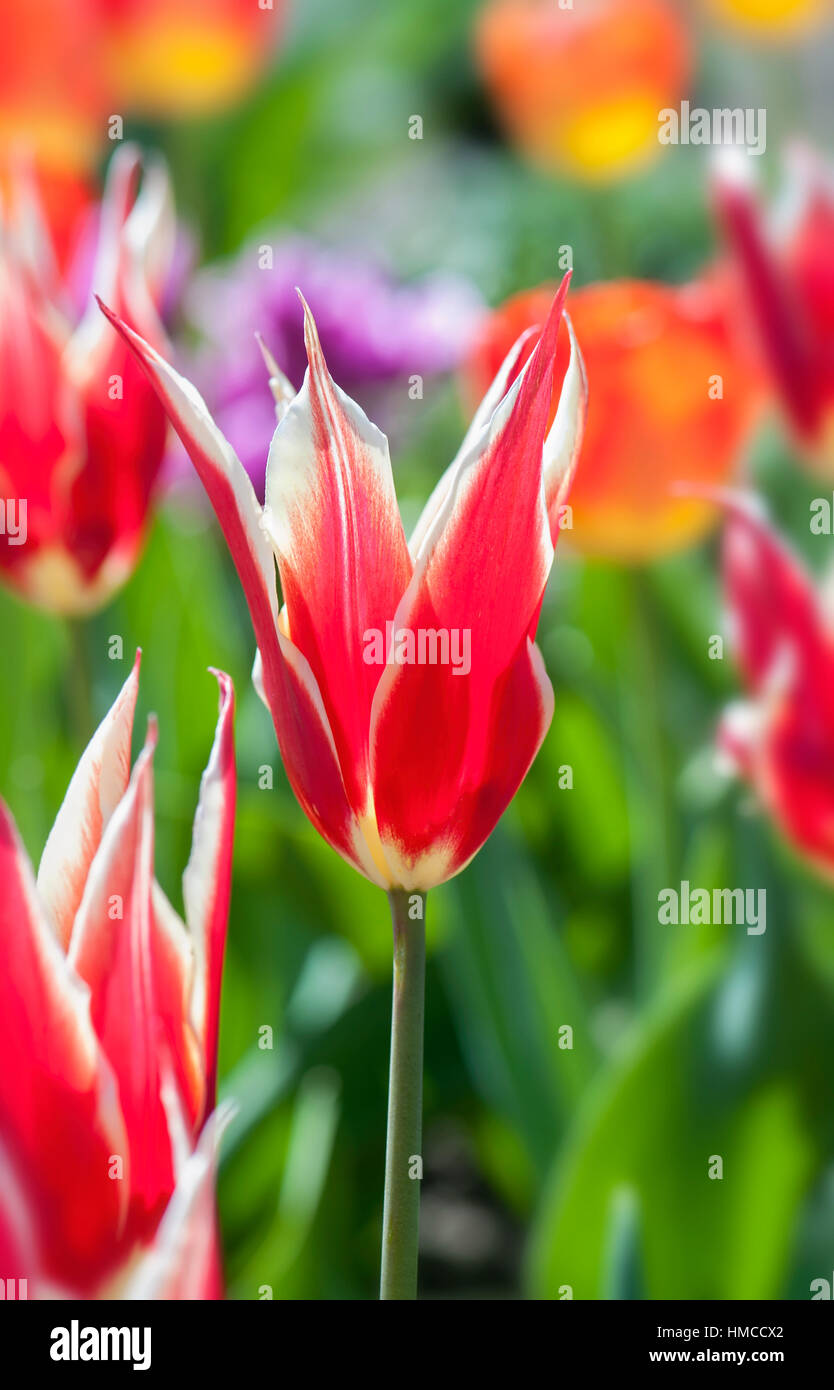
{"type": "Point", "coordinates": [781, 737]}
{"type": "Point", "coordinates": [785, 265]}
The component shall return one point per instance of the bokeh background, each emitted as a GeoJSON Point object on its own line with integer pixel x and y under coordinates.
{"type": "Point", "coordinates": [545, 1166]}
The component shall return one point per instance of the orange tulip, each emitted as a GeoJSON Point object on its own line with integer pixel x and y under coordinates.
{"type": "Point", "coordinates": [185, 57]}
{"type": "Point", "coordinates": [771, 20]}
{"type": "Point", "coordinates": [671, 402]}
{"type": "Point", "coordinates": [52, 95]}
{"type": "Point", "coordinates": [579, 89]}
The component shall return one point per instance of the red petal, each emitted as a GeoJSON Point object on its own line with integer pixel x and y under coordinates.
{"type": "Point", "coordinates": [482, 570]}
{"type": "Point", "coordinates": [776, 312]}
{"type": "Point", "coordinates": [59, 1117]}
{"type": "Point", "coordinates": [773, 605]}
{"type": "Point", "coordinates": [116, 956]}
{"type": "Point", "coordinates": [290, 689]}
{"type": "Point", "coordinates": [497, 390]}
{"type": "Point", "coordinates": [331, 513]}
{"type": "Point", "coordinates": [184, 1260]}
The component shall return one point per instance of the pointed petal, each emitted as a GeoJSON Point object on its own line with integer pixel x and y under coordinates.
{"type": "Point", "coordinates": [772, 300]}
{"type": "Point", "coordinates": [481, 574]}
{"type": "Point", "coordinates": [114, 951]}
{"type": "Point", "coordinates": [774, 610]}
{"type": "Point", "coordinates": [785, 742]}
{"type": "Point", "coordinates": [564, 438]}
{"type": "Point", "coordinates": [478, 427]}
{"type": "Point", "coordinates": [135, 244]}
{"type": "Point", "coordinates": [97, 786]}
{"type": "Point", "coordinates": [331, 513]}
{"type": "Point", "coordinates": [207, 882]}
{"type": "Point", "coordinates": [292, 694]}
{"type": "Point", "coordinates": [59, 1116]}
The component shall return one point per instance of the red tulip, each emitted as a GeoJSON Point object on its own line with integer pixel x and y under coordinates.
{"type": "Point", "coordinates": [781, 738]}
{"type": "Point", "coordinates": [109, 1009]}
{"type": "Point", "coordinates": [403, 764]}
{"type": "Point", "coordinates": [671, 401]}
{"type": "Point", "coordinates": [82, 434]}
{"type": "Point", "coordinates": [786, 271]}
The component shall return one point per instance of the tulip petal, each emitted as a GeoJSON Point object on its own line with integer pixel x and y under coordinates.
{"type": "Point", "coordinates": [564, 438]}
{"type": "Point", "coordinates": [774, 610]}
{"type": "Point", "coordinates": [785, 649]}
{"type": "Point", "coordinates": [331, 513]}
{"type": "Point", "coordinates": [174, 966]}
{"type": "Point", "coordinates": [184, 1260]}
{"type": "Point", "coordinates": [292, 694]}
{"type": "Point", "coordinates": [98, 784]}
{"type": "Point", "coordinates": [207, 882]}
{"type": "Point", "coordinates": [482, 572]}
{"type": "Point", "coordinates": [773, 302]}
{"type": "Point", "coordinates": [59, 1115]}
{"type": "Point", "coordinates": [115, 951]}
{"type": "Point", "coordinates": [478, 427]}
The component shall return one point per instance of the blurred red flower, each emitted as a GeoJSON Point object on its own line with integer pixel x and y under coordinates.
{"type": "Point", "coordinates": [785, 272]}
{"type": "Point", "coordinates": [82, 434]}
{"type": "Point", "coordinates": [781, 738]}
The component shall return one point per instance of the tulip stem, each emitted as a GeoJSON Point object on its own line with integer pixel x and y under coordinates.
{"type": "Point", "coordinates": [403, 1163]}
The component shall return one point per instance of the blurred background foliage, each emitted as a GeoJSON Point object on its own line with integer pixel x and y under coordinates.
{"type": "Point", "coordinates": [545, 1166]}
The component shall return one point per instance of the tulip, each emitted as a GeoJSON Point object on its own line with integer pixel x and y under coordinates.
{"type": "Point", "coordinates": [787, 284]}
{"type": "Point", "coordinates": [403, 765]}
{"type": "Point", "coordinates": [109, 1009]}
{"type": "Point", "coordinates": [672, 401]}
{"type": "Point", "coordinates": [781, 737]}
{"type": "Point", "coordinates": [186, 57]}
{"type": "Point", "coordinates": [579, 89]}
{"type": "Point", "coordinates": [82, 435]}
{"type": "Point", "coordinates": [53, 95]}
{"type": "Point", "coordinates": [770, 20]}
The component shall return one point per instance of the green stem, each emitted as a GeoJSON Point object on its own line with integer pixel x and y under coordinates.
{"type": "Point", "coordinates": [401, 1212]}
{"type": "Point", "coordinates": [80, 694]}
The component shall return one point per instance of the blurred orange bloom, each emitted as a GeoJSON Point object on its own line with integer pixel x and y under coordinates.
{"type": "Point", "coordinates": [671, 402]}
{"type": "Point", "coordinates": [184, 57]}
{"type": "Point", "coordinates": [53, 95]}
{"type": "Point", "coordinates": [580, 89]}
{"type": "Point", "coordinates": [771, 19]}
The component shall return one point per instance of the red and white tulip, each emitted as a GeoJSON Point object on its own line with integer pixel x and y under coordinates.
{"type": "Point", "coordinates": [108, 1030]}
{"type": "Point", "coordinates": [786, 274]}
{"type": "Point", "coordinates": [781, 738]}
{"type": "Point", "coordinates": [403, 767]}
{"type": "Point", "coordinates": [82, 435]}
